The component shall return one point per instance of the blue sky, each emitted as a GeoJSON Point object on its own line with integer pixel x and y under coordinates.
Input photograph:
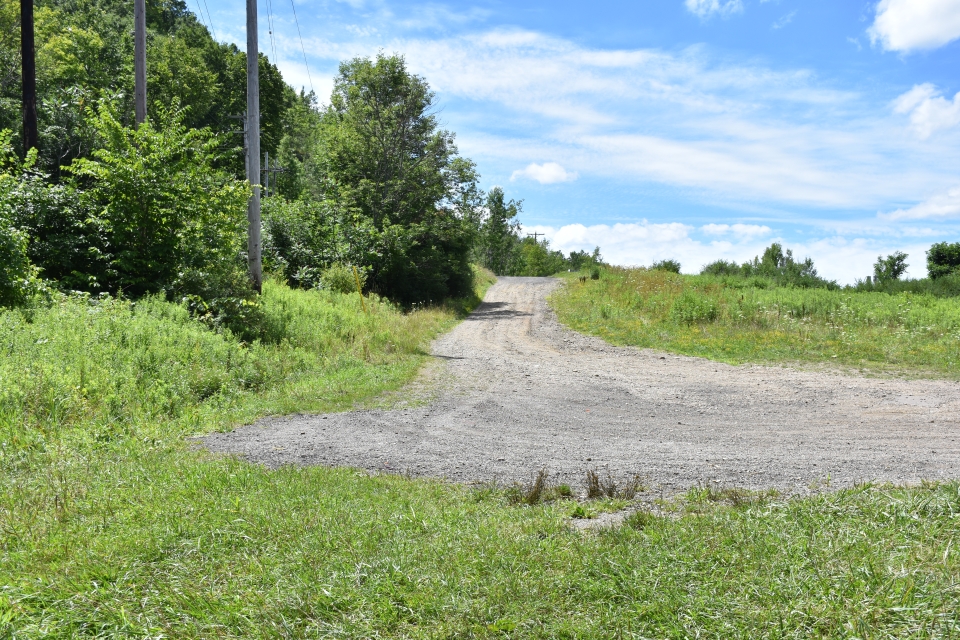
{"type": "Point", "coordinates": [686, 129]}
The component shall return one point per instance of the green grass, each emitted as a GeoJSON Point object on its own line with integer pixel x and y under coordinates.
{"type": "Point", "coordinates": [113, 525]}
{"type": "Point", "coordinates": [739, 320]}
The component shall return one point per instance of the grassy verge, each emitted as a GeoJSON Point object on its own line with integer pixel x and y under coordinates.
{"type": "Point", "coordinates": [735, 320]}
{"type": "Point", "coordinates": [112, 526]}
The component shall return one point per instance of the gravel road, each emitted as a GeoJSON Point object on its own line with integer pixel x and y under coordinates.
{"type": "Point", "coordinates": [510, 391]}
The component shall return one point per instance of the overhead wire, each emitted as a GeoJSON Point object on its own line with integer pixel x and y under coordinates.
{"type": "Point", "coordinates": [273, 42]}
{"type": "Point", "coordinates": [199, 15]}
{"type": "Point", "coordinates": [210, 18]}
{"type": "Point", "coordinates": [302, 50]}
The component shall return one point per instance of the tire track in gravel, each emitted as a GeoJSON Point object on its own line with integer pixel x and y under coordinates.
{"type": "Point", "coordinates": [514, 391]}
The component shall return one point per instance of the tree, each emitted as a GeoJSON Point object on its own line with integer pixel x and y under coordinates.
{"type": "Point", "coordinates": [890, 268]}
{"type": "Point", "coordinates": [498, 244]}
{"type": "Point", "coordinates": [672, 266]}
{"type": "Point", "coordinates": [163, 209]}
{"type": "Point", "coordinates": [397, 178]}
{"type": "Point", "coordinates": [943, 259]}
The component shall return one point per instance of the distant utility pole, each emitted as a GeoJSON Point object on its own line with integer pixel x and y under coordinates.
{"type": "Point", "coordinates": [536, 235]}
{"type": "Point", "coordinates": [29, 76]}
{"type": "Point", "coordinates": [253, 148]}
{"type": "Point", "coordinates": [140, 60]}
{"type": "Point", "coordinates": [267, 170]}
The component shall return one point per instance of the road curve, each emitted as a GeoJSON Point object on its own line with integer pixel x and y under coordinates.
{"type": "Point", "coordinates": [513, 391]}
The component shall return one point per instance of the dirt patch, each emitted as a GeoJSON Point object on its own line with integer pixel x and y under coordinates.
{"type": "Point", "coordinates": [513, 391]}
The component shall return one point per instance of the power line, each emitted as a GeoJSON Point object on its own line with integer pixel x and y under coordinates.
{"type": "Point", "coordinates": [301, 44]}
{"type": "Point", "coordinates": [199, 14]}
{"type": "Point", "coordinates": [273, 42]}
{"type": "Point", "coordinates": [210, 18]}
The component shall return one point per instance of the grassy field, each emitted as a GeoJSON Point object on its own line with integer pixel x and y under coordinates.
{"type": "Point", "coordinates": [739, 320]}
{"type": "Point", "coordinates": [113, 525]}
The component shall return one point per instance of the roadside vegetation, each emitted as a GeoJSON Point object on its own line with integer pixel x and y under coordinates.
{"type": "Point", "coordinates": [128, 325]}
{"type": "Point", "coordinates": [776, 310]}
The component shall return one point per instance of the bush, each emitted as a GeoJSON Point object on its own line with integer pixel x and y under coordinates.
{"type": "Point", "coordinates": [692, 307]}
{"type": "Point", "coordinates": [341, 278]}
{"type": "Point", "coordinates": [18, 277]}
{"type": "Point", "coordinates": [721, 268]}
{"type": "Point", "coordinates": [666, 265]}
{"type": "Point", "coordinates": [943, 258]}
{"type": "Point", "coordinates": [595, 273]}
{"type": "Point", "coordinates": [160, 202]}
{"type": "Point", "coordinates": [299, 239]}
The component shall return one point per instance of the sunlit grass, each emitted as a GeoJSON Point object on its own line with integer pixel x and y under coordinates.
{"type": "Point", "coordinates": [737, 320]}
{"type": "Point", "coordinates": [113, 525]}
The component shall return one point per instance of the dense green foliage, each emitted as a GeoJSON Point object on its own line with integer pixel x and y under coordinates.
{"type": "Point", "coordinates": [17, 273]}
{"type": "Point", "coordinates": [890, 268]}
{"type": "Point", "coordinates": [943, 259]}
{"type": "Point", "coordinates": [85, 55]}
{"type": "Point", "coordinates": [370, 181]}
{"type": "Point", "coordinates": [667, 265]}
{"type": "Point", "coordinates": [776, 265]}
{"type": "Point", "coordinates": [737, 319]}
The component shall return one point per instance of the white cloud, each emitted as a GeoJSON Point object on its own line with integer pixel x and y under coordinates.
{"type": "Point", "coordinates": [546, 173]}
{"type": "Point", "coordinates": [929, 111]}
{"type": "Point", "coordinates": [727, 133]}
{"type": "Point", "coordinates": [707, 8]}
{"type": "Point", "coordinates": [740, 230]}
{"type": "Point", "coordinates": [907, 25]}
{"type": "Point", "coordinates": [785, 20]}
{"type": "Point", "coordinates": [642, 243]}
{"type": "Point", "coordinates": [941, 206]}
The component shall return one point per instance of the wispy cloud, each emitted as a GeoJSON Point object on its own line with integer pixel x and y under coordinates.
{"type": "Point", "coordinates": [909, 25]}
{"type": "Point", "coordinates": [737, 230]}
{"type": "Point", "coordinates": [707, 8]}
{"type": "Point", "coordinates": [734, 133]}
{"type": "Point", "coordinates": [546, 173]}
{"type": "Point", "coordinates": [929, 110]}
{"type": "Point", "coordinates": [940, 206]}
{"type": "Point", "coordinates": [784, 20]}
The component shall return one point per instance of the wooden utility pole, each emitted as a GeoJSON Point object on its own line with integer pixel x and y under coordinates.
{"type": "Point", "coordinates": [140, 59]}
{"type": "Point", "coordinates": [536, 235]}
{"type": "Point", "coordinates": [29, 75]}
{"type": "Point", "coordinates": [253, 148]}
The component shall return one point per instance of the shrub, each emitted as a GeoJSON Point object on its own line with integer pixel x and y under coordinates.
{"type": "Point", "coordinates": [943, 258]}
{"type": "Point", "coordinates": [691, 307]}
{"type": "Point", "coordinates": [299, 239]}
{"type": "Point", "coordinates": [340, 278]}
{"type": "Point", "coordinates": [18, 277]}
{"type": "Point", "coordinates": [162, 205]}
{"type": "Point", "coordinates": [595, 273]}
{"type": "Point", "coordinates": [721, 268]}
{"type": "Point", "coordinates": [666, 265]}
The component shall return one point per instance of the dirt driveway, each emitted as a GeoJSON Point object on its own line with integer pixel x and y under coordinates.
{"type": "Point", "coordinates": [511, 391]}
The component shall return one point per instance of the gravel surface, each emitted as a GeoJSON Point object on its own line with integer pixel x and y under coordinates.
{"type": "Point", "coordinates": [510, 391]}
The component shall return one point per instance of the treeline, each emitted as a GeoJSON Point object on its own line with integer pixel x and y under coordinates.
{"type": "Point", "coordinates": [778, 267]}
{"type": "Point", "coordinates": [371, 181]}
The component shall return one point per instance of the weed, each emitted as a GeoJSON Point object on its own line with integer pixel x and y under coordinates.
{"type": "Point", "coordinates": [734, 496]}
{"type": "Point", "coordinates": [598, 487]}
{"type": "Point", "coordinates": [538, 491]}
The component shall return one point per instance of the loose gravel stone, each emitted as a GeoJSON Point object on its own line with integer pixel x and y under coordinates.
{"type": "Point", "coordinates": [511, 391]}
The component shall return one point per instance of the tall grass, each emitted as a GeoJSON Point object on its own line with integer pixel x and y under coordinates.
{"type": "Point", "coordinates": [741, 319]}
